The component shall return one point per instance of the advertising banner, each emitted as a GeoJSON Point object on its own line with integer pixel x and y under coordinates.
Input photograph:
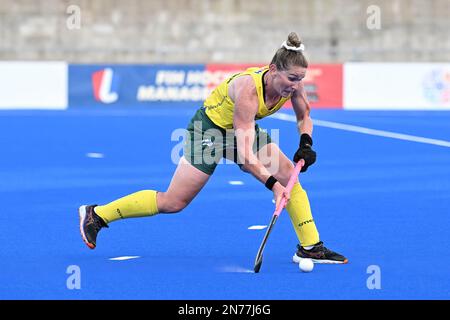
{"type": "Point", "coordinates": [323, 84]}
{"type": "Point", "coordinates": [131, 86]}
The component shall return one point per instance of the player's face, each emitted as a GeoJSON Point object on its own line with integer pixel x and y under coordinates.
{"type": "Point", "coordinates": [287, 81]}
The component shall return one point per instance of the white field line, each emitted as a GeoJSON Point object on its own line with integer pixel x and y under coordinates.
{"type": "Point", "coordinates": [373, 132]}
{"type": "Point", "coordinates": [124, 258]}
{"type": "Point", "coordinates": [257, 227]}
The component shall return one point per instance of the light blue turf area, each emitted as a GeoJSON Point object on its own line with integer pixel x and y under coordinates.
{"type": "Point", "coordinates": [380, 201]}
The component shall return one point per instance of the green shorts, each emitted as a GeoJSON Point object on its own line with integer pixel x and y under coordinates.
{"type": "Point", "coordinates": [207, 144]}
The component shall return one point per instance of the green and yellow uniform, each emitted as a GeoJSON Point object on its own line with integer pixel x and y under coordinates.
{"type": "Point", "coordinates": [210, 138]}
{"type": "Point", "coordinates": [220, 108]}
{"type": "Point", "coordinates": [210, 132]}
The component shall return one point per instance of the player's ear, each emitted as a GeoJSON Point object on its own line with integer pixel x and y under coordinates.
{"type": "Point", "coordinates": [273, 67]}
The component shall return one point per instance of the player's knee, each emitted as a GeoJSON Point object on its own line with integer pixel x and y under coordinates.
{"type": "Point", "coordinates": [168, 203]}
{"type": "Point", "coordinates": [176, 206]}
{"type": "Point", "coordinates": [245, 168]}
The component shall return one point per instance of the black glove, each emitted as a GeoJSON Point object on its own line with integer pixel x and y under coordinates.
{"type": "Point", "coordinates": [305, 152]}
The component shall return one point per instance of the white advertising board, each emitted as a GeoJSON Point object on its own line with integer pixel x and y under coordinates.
{"type": "Point", "coordinates": [33, 85]}
{"type": "Point", "coordinates": [397, 86]}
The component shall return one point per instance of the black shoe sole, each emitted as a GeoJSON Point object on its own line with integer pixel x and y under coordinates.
{"type": "Point", "coordinates": [296, 259]}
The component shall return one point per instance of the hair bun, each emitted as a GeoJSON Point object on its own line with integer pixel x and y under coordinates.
{"type": "Point", "coordinates": [290, 54]}
{"type": "Point", "coordinates": [293, 40]}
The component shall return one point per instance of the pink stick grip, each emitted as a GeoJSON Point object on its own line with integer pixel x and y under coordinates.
{"type": "Point", "coordinates": [289, 186]}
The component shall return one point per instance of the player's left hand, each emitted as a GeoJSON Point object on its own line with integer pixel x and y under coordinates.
{"type": "Point", "coordinates": [305, 152]}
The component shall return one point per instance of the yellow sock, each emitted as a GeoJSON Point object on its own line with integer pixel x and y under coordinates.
{"type": "Point", "coordinates": [139, 204]}
{"type": "Point", "coordinates": [301, 217]}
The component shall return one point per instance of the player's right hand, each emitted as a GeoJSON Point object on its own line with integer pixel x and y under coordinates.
{"type": "Point", "coordinates": [279, 192]}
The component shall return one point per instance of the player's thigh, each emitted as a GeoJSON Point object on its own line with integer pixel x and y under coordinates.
{"type": "Point", "coordinates": [186, 183]}
{"type": "Point", "coordinates": [276, 162]}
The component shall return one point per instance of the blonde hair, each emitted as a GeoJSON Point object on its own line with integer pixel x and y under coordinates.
{"type": "Point", "coordinates": [286, 57]}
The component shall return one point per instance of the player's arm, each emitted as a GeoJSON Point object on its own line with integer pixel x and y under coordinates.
{"type": "Point", "coordinates": [245, 109]}
{"type": "Point", "coordinates": [302, 111]}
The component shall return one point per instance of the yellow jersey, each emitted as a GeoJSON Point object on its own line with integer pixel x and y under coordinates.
{"type": "Point", "coordinates": [220, 108]}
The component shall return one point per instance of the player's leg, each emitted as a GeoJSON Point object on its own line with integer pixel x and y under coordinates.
{"type": "Point", "coordinates": [192, 173]}
{"type": "Point", "coordinates": [186, 182]}
{"type": "Point", "coordinates": [298, 208]}
{"type": "Point", "coordinates": [185, 185]}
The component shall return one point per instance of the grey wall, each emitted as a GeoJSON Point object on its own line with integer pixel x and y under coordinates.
{"type": "Point", "coordinates": [201, 31]}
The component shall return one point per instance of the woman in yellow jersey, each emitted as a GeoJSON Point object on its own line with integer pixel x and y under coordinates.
{"type": "Point", "coordinates": [225, 127]}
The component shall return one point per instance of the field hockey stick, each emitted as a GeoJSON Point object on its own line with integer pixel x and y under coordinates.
{"type": "Point", "coordinates": [292, 180]}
